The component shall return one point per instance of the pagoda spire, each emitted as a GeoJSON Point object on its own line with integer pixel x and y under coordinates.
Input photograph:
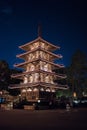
{"type": "Point", "coordinates": [39, 30]}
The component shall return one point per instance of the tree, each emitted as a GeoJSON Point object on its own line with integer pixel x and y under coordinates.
{"type": "Point", "coordinates": [14, 92]}
{"type": "Point", "coordinates": [77, 72]}
{"type": "Point", "coordinates": [4, 75]}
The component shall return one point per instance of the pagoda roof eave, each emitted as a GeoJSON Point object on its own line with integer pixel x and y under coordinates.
{"type": "Point", "coordinates": [41, 40]}
{"type": "Point", "coordinates": [62, 76]}
{"type": "Point", "coordinates": [46, 85]}
{"type": "Point", "coordinates": [38, 49]}
{"type": "Point", "coordinates": [39, 59]}
{"type": "Point", "coordinates": [27, 85]}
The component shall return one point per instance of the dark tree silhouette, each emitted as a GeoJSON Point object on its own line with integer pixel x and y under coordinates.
{"type": "Point", "coordinates": [4, 75]}
{"type": "Point", "coordinates": [77, 72]}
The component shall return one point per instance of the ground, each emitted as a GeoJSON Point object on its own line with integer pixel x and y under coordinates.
{"type": "Point", "coordinates": [43, 119]}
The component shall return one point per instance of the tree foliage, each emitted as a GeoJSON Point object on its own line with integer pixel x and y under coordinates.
{"type": "Point", "coordinates": [4, 75]}
{"type": "Point", "coordinates": [77, 72]}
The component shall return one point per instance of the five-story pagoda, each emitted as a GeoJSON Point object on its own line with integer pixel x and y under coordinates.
{"type": "Point", "coordinates": [38, 75]}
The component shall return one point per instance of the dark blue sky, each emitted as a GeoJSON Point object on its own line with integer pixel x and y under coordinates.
{"type": "Point", "coordinates": [64, 23]}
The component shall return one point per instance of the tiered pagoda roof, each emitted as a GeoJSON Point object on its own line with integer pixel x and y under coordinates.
{"type": "Point", "coordinates": [26, 46]}
{"type": "Point", "coordinates": [39, 55]}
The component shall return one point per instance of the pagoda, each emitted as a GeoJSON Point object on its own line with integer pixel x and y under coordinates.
{"type": "Point", "coordinates": [38, 74]}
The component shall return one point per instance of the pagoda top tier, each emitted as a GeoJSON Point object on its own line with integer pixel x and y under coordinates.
{"type": "Point", "coordinates": [38, 42]}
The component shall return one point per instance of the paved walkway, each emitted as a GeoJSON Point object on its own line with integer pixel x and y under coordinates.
{"type": "Point", "coordinates": [43, 119]}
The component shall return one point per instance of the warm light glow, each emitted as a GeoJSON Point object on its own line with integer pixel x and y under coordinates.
{"type": "Point", "coordinates": [0, 92]}
{"type": "Point", "coordinates": [29, 89]}
{"type": "Point", "coordinates": [74, 94]}
{"type": "Point", "coordinates": [37, 54]}
{"type": "Point", "coordinates": [41, 65]}
{"type": "Point", "coordinates": [31, 47]}
{"type": "Point", "coordinates": [31, 79]}
{"type": "Point", "coordinates": [53, 90]}
{"type": "Point", "coordinates": [48, 90]}
{"type": "Point", "coordinates": [42, 89]}
{"type": "Point", "coordinates": [38, 101]}
{"type": "Point", "coordinates": [32, 67]}
{"type": "Point", "coordinates": [47, 79]}
{"type": "Point", "coordinates": [41, 54]}
{"type": "Point", "coordinates": [36, 77]}
{"type": "Point", "coordinates": [42, 45]}
{"type": "Point", "coordinates": [46, 67]}
{"type": "Point", "coordinates": [23, 90]}
{"type": "Point", "coordinates": [36, 45]}
{"type": "Point", "coordinates": [35, 89]}
{"type": "Point", "coordinates": [41, 77]}
{"type": "Point", "coordinates": [25, 79]}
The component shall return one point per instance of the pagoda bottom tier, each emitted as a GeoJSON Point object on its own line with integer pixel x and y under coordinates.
{"type": "Point", "coordinates": [38, 96]}
{"type": "Point", "coordinates": [39, 91]}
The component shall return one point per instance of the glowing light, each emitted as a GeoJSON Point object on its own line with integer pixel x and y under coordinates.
{"type": "Point", "coordinates": [24, 90]}
{"type": "Point", "coordinates": [47, 90]}
{"type": "Point", "coordinates": [38, 101]}
{"type": "Point", "coordinates": [35, 89]}
{"type": "Point", "coordinates": [53, 90]}
{"type": "Point", "coordinates": [36, 77]}
{"type": "Point", "coordinates": [42, 89]}
{"type": "Point", "coordinates": [46, 67]}
{"type": "Point", "coordinates": [32, 67]}
{"type": "Point", "coordinates": [29, 89]}
{"type": "Point", "coordinates": [1, 92]}
{"type": "Point", "coordinates": [31, 79]}
{"type": "Point", "coordinates": [25, 80]}
{"type": "Point", "coordinates": [47, 79]}
{"type": "Point", "coordinates": [42, 45]}
{"type": "Point", "coordinates": [74, 94]}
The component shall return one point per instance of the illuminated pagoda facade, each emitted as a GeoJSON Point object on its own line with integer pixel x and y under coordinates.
{"type": "Point", "coordinates": [38, 75]}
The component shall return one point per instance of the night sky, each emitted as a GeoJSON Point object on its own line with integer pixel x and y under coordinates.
{"type": "Point", "coordinates": [63, 22]}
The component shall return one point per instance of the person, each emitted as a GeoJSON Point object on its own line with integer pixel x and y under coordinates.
{"type": "Point", "coordinates": [67, 107]}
